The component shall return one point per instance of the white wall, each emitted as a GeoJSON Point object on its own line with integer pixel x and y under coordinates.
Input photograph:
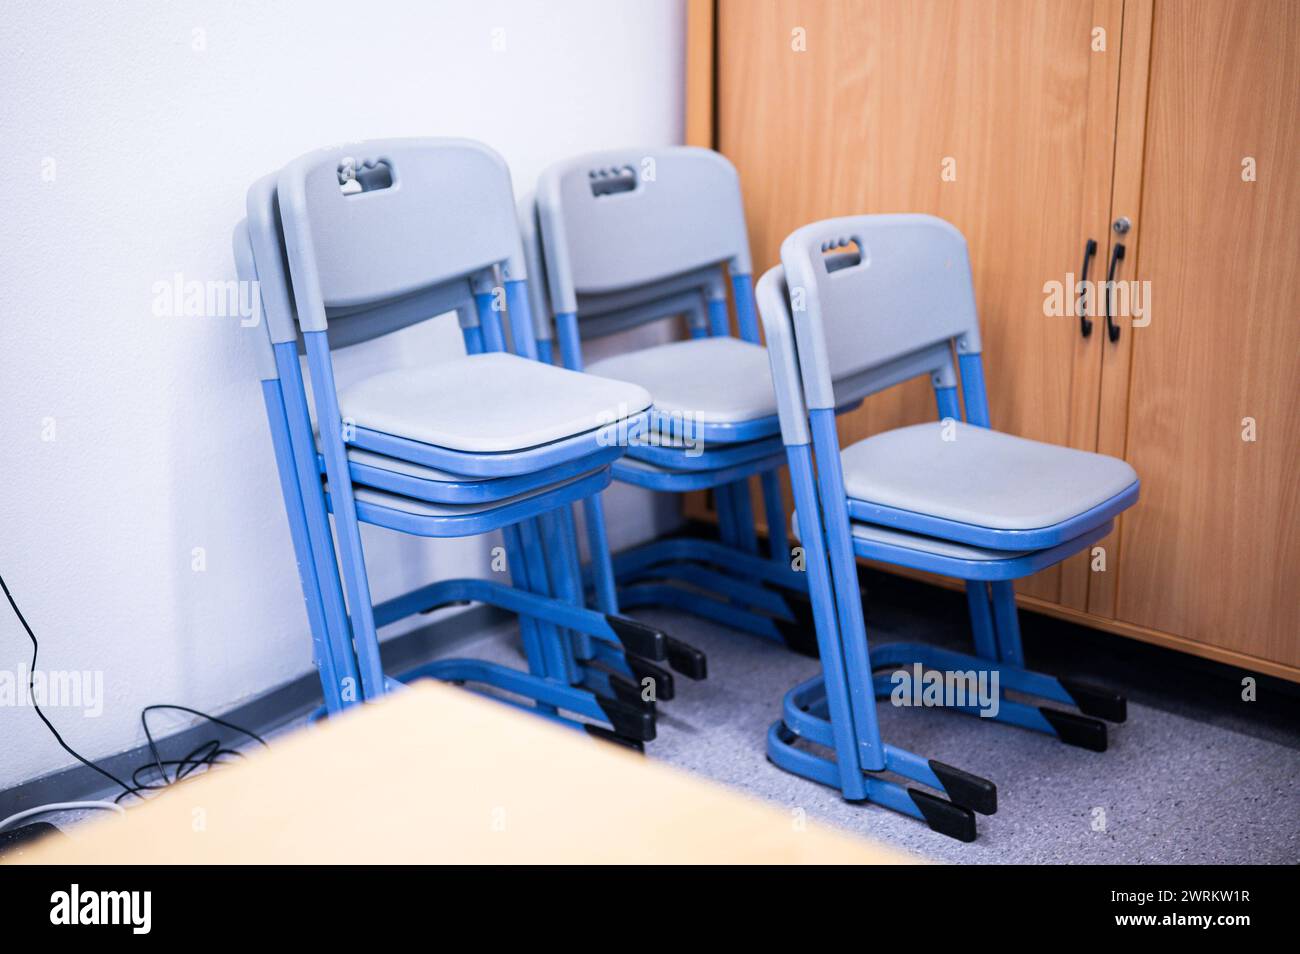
{"type": "Point", "coordinates": [131, 132]}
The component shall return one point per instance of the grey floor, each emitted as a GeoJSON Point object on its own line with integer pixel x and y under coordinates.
{"type": "Point", "coordinates": [1179, 784]}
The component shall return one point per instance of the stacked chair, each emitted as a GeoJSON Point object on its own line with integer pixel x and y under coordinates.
{"type": "Point", "coordinates": [860, 304]}
{"type": "Point", "coordinates": [345, 250]}
{"type": "Point", "coordinates": [349, 246]}
{"type": "Point", "coordinates": [633, 237]}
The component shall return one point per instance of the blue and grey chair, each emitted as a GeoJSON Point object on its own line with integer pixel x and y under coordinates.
{"type": "Point", "coordinates": [331, 641]}
{"type": "Point", "coordinates": [861, 304]}
{"type": "Point", "coordinates": [681, 657]}
{"type": "Point", "coordinates": [639, 235]}
{"type": "Point", "coordinates": [453, 449]}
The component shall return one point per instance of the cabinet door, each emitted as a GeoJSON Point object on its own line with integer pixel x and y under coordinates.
{"type": "Point", "coordinates": [1213, 423]}
{"type": "Point", "coordinates": [998, 115]}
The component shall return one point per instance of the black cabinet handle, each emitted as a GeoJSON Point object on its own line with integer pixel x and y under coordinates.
{"type": "Point", "coordinates": [1085, 323]}
{"type": "Point", "coordinates": [1112, 329]}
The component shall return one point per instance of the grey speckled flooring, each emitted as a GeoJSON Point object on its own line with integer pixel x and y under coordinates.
{"type": "Point", "coordinates": [1171, 789]}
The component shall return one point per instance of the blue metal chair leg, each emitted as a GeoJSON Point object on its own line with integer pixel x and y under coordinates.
{"type": "Point", "coordinates": [848, 598]}
{"type": "Point", "coordinates": [981, 619]}
{"type": "Point", "coordinates": [716, 583]}
{"type": "Point", "coordinates": [964, 670]}
{"type": "Point", "coordinates": [554, 643]}
{"type": "Point", "coordinates": [778, 540]}
{"type": "Point", "coordinates": [322, 652]}
{"type": "Point", "coordinates": [352, 558]}
{"type": "Point", "coordinates": [846, 771]}
{"type": "Point", "coordinates": [602, 570]}
{"type": "Point", "coordinates": [687, 549]}
{"type": "Point", "coordinates": [617, 631]}
{"type": "Point", "coordinates": [319, 535]}
{"type": "Point", "coordinates": [724, 502]}
{"type": "Point", "coordinates": [747, 582]}
{"type": "Point", "coordinates": [632, 721]}
{"type": "Point", "coordinates": [528, 629]}
{"type": "Point", "coordinates": [805, 713]}
{"type": "Point", "coordinates": [1007, 622]}
{"type": "Point", "coordinates": [743, 508]}
{"type": "Point", "coordinates": [562, 546]}
{"type": "Point", "coordinates": [703, 605]}
{"type": "Point", "coordinates": [943, 816]}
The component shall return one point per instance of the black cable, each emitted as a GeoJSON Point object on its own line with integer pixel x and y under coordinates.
{"type": "Point", "coordinates": [214, 744]}
{"type": "Point", "coordinates": [207, 754]}
{"type": "Point", "coordinates": [31, 691]}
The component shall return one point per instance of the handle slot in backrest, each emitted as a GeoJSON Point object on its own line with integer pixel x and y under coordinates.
{"type": "Point", "coordinates": [618, 220]}
{"type": "Point", "coordinates": [430, 212]}
{"type": "Point", "coordinates": [347, 325]}
{"type": "Point", "coordinates": [893, 311]}
{"type": "Point", "coordinates": [612, 181]}
{"type": "Point", "coordinates": [841, 253]}
{"type": "Point", "coordinates": [372, 176]}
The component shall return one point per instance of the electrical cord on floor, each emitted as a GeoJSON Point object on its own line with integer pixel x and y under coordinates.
{"type": "Point", "coordinates": [205, 756]}
{"type": "Point", "coordinates": [31, 691]}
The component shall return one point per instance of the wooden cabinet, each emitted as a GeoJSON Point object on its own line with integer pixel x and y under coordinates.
{"type": "Point", "coordinates": [1033, 126]}
{"type": "Point", "coordinates": [1212, 551]}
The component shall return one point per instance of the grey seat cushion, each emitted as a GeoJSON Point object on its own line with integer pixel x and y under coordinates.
{"type": "Point", "coordinates": [489, 403]}
{"type": "Point", "coordinates": [915, 541]}
{"type": "Point", "coordinates": [944, 548]}
{"type": "Point", "coordinates": [423, 508]}
{"type": "Point", "coordinates": [718, 380]}
{"type": "Point", "coordinates": [384, 462]}
{"type": "Point", "coordinates": [981, 476]}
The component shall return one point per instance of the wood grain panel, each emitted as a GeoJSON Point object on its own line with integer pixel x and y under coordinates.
{"type": "Point", "coordinates": [863, 120]}
{"type": "Point", "coordinates": [1126, 200]}
{"type": "Point", "coordinates": [1210, 553]}
{"type": "Point", "coordinates": [699, 73]}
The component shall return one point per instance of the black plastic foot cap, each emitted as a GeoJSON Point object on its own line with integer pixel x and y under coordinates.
{"type": "Point", "coordinates": [605, 735]}
{"type": "Point", "coordinates": [943, 816]}
{"type": "Point", "coordinates": [977, 794]}
{"type": "Point", "coordinates": [625, 690]}
{"type": "Point", "coordinates": [637, 637]}
{"type": "Point", "coordinates": [686, 659]}
{"type": "Point", "coordinates": [642, 669]}
{"type": "Point", "coordinates": [1082, 731]}
{"type": "Point", "coordinates": [1096, 701]}
{"type": "Point", "coordinates": [630, 721]}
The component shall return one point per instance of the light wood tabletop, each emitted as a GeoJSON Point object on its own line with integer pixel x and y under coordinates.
{"type": "Point", "coordinates": [436, 774]}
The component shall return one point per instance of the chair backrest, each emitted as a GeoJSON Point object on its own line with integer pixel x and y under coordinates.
{"type": "Point", "coordinates": [773, 297]}
{"type": "Point", "coordinates": [267, 244]}
{"type": "Point", "coordinates": [685, 295]}
{"type": "Point", "coordinates": [876, 300]}
{"type": "Point", "coordinates": [246, 271]}
{"type": "Point", "coordinates": [386, 233]}
{"type": "Point", "coordinates": [624, 228]}
{"type": "Point", "coordinates": [267, 238]}
{"type": "Point", "coordinates": [538, 295]}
